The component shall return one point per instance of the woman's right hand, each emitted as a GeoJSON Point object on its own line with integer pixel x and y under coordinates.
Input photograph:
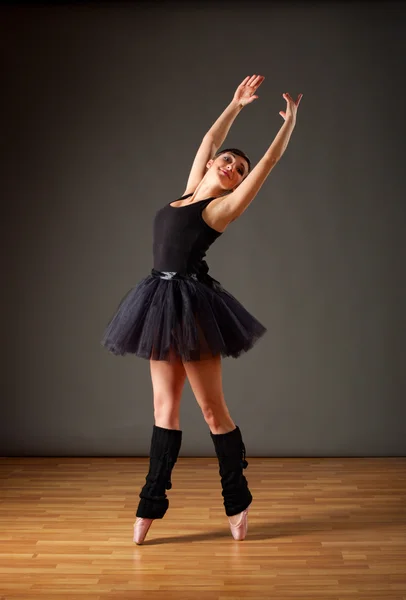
{"type": "Point", "coordinates": [244, 94]}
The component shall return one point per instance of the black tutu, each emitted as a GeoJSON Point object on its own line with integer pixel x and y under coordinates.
{"type": "Point", "coordinates": [168, 314]}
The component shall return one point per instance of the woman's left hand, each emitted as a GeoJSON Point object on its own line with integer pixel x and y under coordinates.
{"type": "Point", "coordinates": [244, 94]}
{"type": "Point", "coordinates": [291, 108]}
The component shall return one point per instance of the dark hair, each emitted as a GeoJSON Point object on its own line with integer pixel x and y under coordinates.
{"type": "Point", "coordinates": [235, 151]}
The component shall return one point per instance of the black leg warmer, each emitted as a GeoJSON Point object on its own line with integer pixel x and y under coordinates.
{"type": "Point", "coordinates": [165, 446]}
{"type": "Point", "coordinates": [230, 452]}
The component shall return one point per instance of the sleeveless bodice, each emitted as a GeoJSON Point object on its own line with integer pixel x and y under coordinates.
{"type": "Point", "coordinates": [181, 237]}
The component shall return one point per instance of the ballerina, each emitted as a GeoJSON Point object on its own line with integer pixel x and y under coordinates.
{"type": "Point", "coordinates": [184, 321]}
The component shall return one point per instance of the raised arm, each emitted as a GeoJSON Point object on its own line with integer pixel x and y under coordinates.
{"type": "Point", "coordinates": [237, 201]}
{"type": "Point", "coordinates": [214, 138]}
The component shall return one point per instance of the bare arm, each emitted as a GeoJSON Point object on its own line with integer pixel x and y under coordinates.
{"type": "Point", "coordinates": [210, 144]}
{"type": "Point", "coordinates": [219, 130]}
{"type": "Point", "coordinates": [238, 201]}
{"type": "Point", "coordinates": [217, 133]}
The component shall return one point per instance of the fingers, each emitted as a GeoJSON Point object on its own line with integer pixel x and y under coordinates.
{"type": "Point", "coordinates": [257, 81]}
{"type": "Point", "coordinates": [253, 80]}
{"type": "Point", "coordinates": [289, 98]}
{"type": "Point", "coordinates": [245, 81]}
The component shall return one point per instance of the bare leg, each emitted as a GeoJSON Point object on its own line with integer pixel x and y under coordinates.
{"type": "Point", "coordinates": [168, 380]}
{"type": "Point", "coordinates": [205, 378]}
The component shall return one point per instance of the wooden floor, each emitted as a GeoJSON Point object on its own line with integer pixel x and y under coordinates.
{"type": "Point", "coordinates": [318, 528]}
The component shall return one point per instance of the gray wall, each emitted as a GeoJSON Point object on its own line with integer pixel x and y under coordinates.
{"type": "Point", "coordinates": [96, 100]}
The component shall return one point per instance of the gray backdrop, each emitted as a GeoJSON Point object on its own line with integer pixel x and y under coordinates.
{"type": "Point", "coordinates": [104, 107]}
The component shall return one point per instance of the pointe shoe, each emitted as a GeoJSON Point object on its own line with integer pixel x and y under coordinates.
{"type": "Point", "coordinates": [141, 527]}
{"type": "Point", "coordinates": [239, 524]}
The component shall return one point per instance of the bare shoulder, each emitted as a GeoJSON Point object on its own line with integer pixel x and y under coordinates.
{"type": "Point", "coordinates": [236, 203]}
{"type": "Point", "coordinates": [217, 214]}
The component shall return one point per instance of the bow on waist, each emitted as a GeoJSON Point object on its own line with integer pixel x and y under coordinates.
{"type": "Point", "coordinates": [198, 271]}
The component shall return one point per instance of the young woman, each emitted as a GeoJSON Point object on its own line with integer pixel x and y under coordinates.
{"type": "Point", "coordinates": [183, 321]}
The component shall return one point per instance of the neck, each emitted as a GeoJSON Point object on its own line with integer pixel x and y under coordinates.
{"type": "Point", "coordinates": [206, 190]}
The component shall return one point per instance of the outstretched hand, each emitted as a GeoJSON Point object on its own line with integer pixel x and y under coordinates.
{"type": "Point", "coordinates": [291, 108]}
{"type": "Point", "coordinates": [245, 93]}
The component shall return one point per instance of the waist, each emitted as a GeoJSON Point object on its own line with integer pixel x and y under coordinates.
{"type": "Point", "coordinates": [177, 275]}
{"type": "Point", "coordinates": [172, 274]}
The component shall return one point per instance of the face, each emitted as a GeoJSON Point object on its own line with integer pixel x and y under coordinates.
{"type": "Point", "coordinates": [229, 169]}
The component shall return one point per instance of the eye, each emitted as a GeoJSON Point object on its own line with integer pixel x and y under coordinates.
{"type": "Point", "coordinates": [240, 169]}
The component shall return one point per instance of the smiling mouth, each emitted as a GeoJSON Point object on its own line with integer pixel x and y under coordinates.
{"type": "Point", "coordinates": [225, 173]}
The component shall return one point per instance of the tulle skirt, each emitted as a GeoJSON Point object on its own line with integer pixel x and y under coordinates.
{"type": "Point", "coordinates": [172, 315]}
